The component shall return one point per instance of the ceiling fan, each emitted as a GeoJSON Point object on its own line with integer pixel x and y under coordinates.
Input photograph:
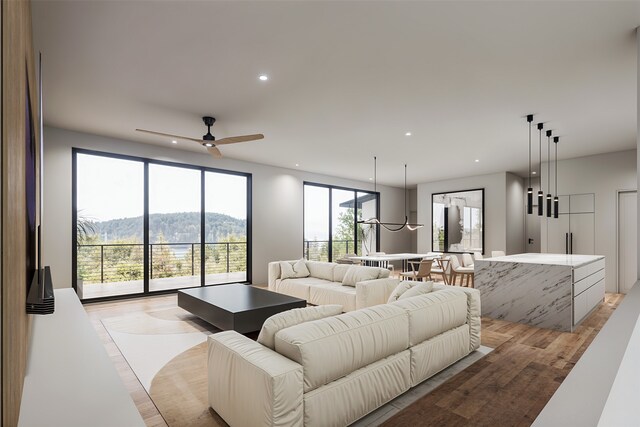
{"type": "Point", "coordinates": [209, 141]}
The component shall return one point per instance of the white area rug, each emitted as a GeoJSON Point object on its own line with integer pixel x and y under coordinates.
{"type": "Point", "coordinates": [146, 354]}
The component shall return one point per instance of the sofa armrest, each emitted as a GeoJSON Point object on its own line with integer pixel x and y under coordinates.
{"type": "Point", "coordinates": [242, 372]}
{"type": "Point", "coordinates": [474, 312]}
{"type": "Point", "coordinates": [273, 274]}
{"type": "Point", "coordinates": [374, 292]}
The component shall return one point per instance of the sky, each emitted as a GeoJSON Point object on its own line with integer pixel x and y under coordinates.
{"type": "Point", "coordinates": [111, 188]}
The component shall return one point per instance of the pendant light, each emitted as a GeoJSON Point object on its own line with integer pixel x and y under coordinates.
{"type": "Point", "coordinates": [556, 203]}
{"type": "Point", "coordinates": [530, 189]}
{"type": "Point", "coordinates": [549, 174]}
{"type": "Point", "coordinates": [540, 192]}
{"type": "Point", "coordinates": [391, 226]}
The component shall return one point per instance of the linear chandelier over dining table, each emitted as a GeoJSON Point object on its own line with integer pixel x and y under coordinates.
{"type": "Point", "coordinates": [391, 226]}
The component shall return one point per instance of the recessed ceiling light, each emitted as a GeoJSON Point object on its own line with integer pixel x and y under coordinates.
{"type": "Point", "coordinates": [174, 141]}
{"type": "Point", "coordinates": [533, 173]}
{"type": "Point", "coordinates": [407, 134]}
{"type": "Point", "coordinates": [297, 165]}
{"type": "Point", "coordinates": [370, 179]}
{"type": "Point", "coordinates": [476, 160]}
{"type": "Point", "coordinates": [263, 77]}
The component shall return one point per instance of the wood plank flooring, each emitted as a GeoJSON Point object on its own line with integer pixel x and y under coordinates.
{"type": "Point", "coordinates": [509, 387]}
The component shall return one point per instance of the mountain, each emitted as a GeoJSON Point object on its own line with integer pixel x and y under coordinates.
{"type": "Point", "coordinates": [183, 227]}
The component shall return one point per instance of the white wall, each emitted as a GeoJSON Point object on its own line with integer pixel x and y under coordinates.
{"type": "Point", "coordinates": [604, 175]}
{"type": "Point", "coordinates": [495, 208]}
{"type": "Point", "coordinates": [277, 200]}
{"type": "Point", "coordinates": [515, 212]}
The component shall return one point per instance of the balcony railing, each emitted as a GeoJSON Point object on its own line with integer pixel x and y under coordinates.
{"type": "Point", "coordinates": [121, 262]}
{"type": "Point", "coordinates": [318, 250]}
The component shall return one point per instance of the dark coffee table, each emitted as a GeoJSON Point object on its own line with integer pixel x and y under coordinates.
{"type": "Point", "coordinates": [242, 308]}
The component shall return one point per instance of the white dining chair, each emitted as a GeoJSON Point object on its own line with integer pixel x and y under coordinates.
{"type": "Point", "coordinates": [463, 272]}
{"type": "Point", "coordinates": [495, 254]}
{"type": "Point", "coordinates": [467, 260]}
{"type": "Point", "coordinates": [477, 255]}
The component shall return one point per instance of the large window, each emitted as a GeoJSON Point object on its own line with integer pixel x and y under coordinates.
{"type": "Point", "coordinates": [331, 216]}
{"type": "Point", "coordinates": [141, 226]}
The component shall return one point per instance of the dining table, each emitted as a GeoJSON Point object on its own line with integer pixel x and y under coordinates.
{"type": "Point", "coordinates": [383, 260]}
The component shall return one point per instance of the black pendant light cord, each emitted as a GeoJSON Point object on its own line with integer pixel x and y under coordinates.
{"type": "Point", "coordinates": [529, 153]}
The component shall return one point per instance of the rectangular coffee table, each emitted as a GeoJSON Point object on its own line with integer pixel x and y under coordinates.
{"type": "Point", "coordinates": [242, 308]}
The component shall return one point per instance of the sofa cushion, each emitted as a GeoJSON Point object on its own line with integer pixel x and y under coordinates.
{"type": "Point", "coordinates": [402, 287]}
{"type": "Point", "coordinates": [339, 271]}
{"type": "Point", "coordinates": [333, 293]}
{"type": "Point", "coordinates": [321, 270]}
{"type": "Point", "coordinates": [333, 347]}
{"type": "Point", "coordinates": [357, 273]}
{"type": "Point", "coordinates": [297, 270]}
{"type": "Point", "coordinates": [419, 288]}
{"type": "Point", "coordinates": [434, 313]}
{"type": "Point", "coordinates": [293, 317]}
{"type": "Point", "coordinates": [298, 288]}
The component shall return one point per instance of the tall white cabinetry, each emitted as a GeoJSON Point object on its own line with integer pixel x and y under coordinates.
{"type": "Point", "coordinates": [573, 232]}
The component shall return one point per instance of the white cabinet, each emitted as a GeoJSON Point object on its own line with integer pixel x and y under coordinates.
{"type": "Point", "coordinates": [588, 289]}
{"type": "Point", "coordinates": [573, 232]}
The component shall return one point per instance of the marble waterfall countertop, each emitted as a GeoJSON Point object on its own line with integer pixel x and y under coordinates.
{"type": "Point", "coordinates": [548, 259]}
{"type": "Point", "coordinates": [534, 289]}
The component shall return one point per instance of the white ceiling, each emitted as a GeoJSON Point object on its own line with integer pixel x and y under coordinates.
{"type": "Point", "coordinates": [348, 79]}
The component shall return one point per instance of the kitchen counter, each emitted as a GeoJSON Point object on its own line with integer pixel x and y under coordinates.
{"type": "Point", "coordinates": [554, 291]}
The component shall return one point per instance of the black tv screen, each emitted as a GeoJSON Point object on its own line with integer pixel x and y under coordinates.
{"type": "Point", "coordinates": [31, 192]}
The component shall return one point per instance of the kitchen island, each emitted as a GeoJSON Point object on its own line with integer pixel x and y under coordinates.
{"type": "Point", "coordinates": [553, 291]}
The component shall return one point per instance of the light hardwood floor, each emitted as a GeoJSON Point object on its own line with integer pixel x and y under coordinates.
{"type": "Point", "coordinates": [508, 387]}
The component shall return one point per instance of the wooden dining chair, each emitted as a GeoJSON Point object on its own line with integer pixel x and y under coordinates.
{"type": "Point", "coordinates": [463, 272]}
{"type": "Point", "coordinates": [422, 272]}
{"type": "Point", "coordinates": [442, 269]}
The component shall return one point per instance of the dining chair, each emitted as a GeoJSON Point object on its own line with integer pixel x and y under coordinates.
{"type": "Point", "coordinates": [467, 260]}
{"type": "Point", "coordinates": [442, 269]}
{"type": "Point", "coordinates": [497, 254]}
{"type": "Point", "coordinates": [385, 264]}
{"type": "Point", "coordinates": [423, 271]}
{"type": "Point", "coordinates": [463, 272]}
{"type": "Point", "coordinates": [477, 255]}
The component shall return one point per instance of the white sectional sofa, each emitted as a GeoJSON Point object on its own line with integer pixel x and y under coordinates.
{"type": "Point", "coordinates": [334, 370]}
{"type": "Point", "coordinates": [324, 285]}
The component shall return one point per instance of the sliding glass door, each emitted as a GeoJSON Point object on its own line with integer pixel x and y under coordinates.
{"type": "Point", "coordinates": [331, 215]}
{"type": "Point", "coordinates": [141, 226]}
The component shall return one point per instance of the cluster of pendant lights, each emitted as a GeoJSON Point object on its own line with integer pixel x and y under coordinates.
{"type": "Point", "coordinates": [552, 204]}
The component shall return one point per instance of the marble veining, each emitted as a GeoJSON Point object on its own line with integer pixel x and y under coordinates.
{"type": "Point", "coordinates": [525, 292]}
{"type": "Point", "coordinates": [571, 260]}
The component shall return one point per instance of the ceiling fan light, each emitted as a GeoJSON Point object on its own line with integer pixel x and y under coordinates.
{"type": "Point", "coordinates": [208, 144]}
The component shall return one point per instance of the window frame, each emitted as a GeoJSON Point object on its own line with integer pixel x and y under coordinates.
{"type": "Point", "coordinates": [146, 162]}
{"type": "Point", "coordinates": [482, 216]}
{"type": "Point", "coordinates": [331, 187]}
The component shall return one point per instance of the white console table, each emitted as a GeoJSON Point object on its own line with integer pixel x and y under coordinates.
{"type": "Point", "coordinates": [70, 379]}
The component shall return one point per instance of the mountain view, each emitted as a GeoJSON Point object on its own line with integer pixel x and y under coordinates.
{"type": "Point", "coordinates": [174, 227]}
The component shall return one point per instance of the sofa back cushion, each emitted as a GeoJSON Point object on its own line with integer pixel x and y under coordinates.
{"type": "Point", "coordinates": [321, 270]}
{"type": "Point", "coordinates": [339, 271]}
{"type": "Point", "coordinates": [434, 313]}
{"type": "Point", "coordinates": [419, 288]}
{"type": "Point", "coordinates": [358, 273]}
{"type": "Point", "coordinates": [333, 347]}
{"type": "Point", "coordinates": [293, 317]}
{"type": "Point", "coordinates": [294, 269]}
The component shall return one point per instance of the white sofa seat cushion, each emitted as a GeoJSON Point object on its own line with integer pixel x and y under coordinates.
{"type": "Point", "coordinates": [293, 317]}
{"type": "Point", "coordinates": [333, 347]}
{"type": "Point", "coordinates": [333, 293]}
{"type": "Point", "coordinates": [347, 399]}
{"type": "Point", "coordinates": [298, 288]}
{"type": "Point", "coordinates": [321, 270]}
{"type": "Point", "coordinates": [434, 313]}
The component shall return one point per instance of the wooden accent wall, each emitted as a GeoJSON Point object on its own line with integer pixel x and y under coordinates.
{"type": "Point", "coordinates": [17, 58]}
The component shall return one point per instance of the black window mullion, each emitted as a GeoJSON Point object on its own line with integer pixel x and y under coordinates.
{"type": "Point", "coordinates": [330, 252]}
{"type": "Point", "coordinates": [202, 229]}
{"type": "Point", "coordinates": [145, 230]}
{"type": "Point", "coordinates": [355, 223]}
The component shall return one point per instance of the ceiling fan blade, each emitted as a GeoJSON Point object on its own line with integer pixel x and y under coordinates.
{"type": "Point", "coordinates": [170, 135]}
{"type": "Point", "coordinates": [242, 138]}
{"type": "Point", "coordinates": [214, 152]}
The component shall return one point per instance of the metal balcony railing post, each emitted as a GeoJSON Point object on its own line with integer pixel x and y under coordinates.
{"type": "Point", "coordinates": [151, 261]}
{"type": "Point", "coordinates": [101, 263]}
{"type": "Point", "coordinates": [192, 258]}
{"type": "Point", "coordinates": [227, 257]}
